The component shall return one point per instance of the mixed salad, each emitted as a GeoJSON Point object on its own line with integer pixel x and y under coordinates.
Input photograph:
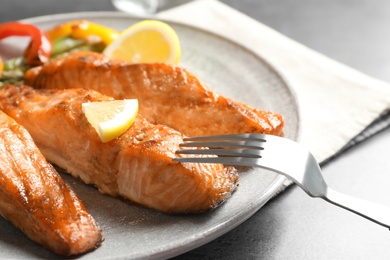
{"type": "Point", "coordinates": [56, 42]}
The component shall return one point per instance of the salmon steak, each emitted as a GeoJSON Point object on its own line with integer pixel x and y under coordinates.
{"type": "Point", "coordinates": [34, 198]}
{"type": "Point", "coordinates": [169, 95]}
{"type": "Point", "coordinates": [137, 165]}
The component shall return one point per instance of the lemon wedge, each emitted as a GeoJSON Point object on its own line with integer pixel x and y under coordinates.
{"type": "Point", "coordinates": [148, 41]}
{"type": "Point", "coordinates": [111, 118]}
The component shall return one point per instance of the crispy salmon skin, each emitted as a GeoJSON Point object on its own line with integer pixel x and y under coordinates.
{"type": "Point", "coordinates": [137, 165]}
{"type": "Point", "coordinates": [35, 199]}
{"type": "Point", "coordinates": [169, 95]}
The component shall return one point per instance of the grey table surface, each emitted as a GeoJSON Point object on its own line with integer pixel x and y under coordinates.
{"type": "Point", "coordinates": [293, 225]}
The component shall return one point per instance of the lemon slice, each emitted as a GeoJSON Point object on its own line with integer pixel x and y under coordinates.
{"type": "Point", "coordinates": [148, 41]}
{"type": "Point", "coordinates": [111, 118]}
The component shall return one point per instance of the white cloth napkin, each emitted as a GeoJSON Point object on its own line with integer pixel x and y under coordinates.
{"type": "Point", "coordinates": [338, 103]}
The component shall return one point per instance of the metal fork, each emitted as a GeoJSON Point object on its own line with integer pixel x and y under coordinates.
{"type": "Point", "coordinates": [284, 157]}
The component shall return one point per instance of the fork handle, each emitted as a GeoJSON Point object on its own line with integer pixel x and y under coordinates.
{"type": "Point", "coordinates": [369, 210]}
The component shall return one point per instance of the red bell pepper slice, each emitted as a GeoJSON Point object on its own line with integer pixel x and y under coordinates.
{"type": "Point", "coordinates": [40, 47]}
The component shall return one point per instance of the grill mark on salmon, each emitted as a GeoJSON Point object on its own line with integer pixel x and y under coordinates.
{"type": "Point", "coordinates": [137, 165]}
{"type": "Point", "coordinates": [168, 95]}
{"type": "Point", "coordinates": [34, 198]}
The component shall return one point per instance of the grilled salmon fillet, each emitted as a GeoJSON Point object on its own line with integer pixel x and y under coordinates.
{"type": "Point", "coordinates": [169, 95]}
{"type": "Point", "coordinates": [35, 199]}
{"type": "Point", "coordinates": [137, 165]}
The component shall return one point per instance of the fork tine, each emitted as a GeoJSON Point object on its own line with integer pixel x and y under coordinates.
{"type": "Point", "coordinates": [223, 144]}
{"type": "Point", "coordinates": [244, 137]}
{"type": "Point", "coordinates": [238, 161]}
{"type": "Point", "coordinates": [224, 152]}
{"type": "Point", "coordinates": [252, 141]}
{"type": "Point", "coordinates": [234, 149]}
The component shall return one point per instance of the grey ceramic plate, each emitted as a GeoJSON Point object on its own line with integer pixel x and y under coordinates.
{"type": "Point", "coordinates": [134, 232]}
